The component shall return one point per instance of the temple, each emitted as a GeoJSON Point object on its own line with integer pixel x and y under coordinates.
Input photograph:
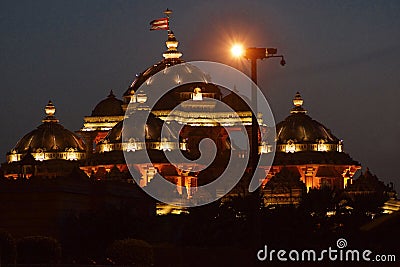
{"type": "Point", "coordinates": [307, 153]}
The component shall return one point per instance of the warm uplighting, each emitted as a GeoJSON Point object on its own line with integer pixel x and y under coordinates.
{"type": "Point", "coordinates": [237, 50]}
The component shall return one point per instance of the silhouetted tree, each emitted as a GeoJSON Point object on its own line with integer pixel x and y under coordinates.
{"type": "Point", "coordinates": [368, 193]}
{"type": "Point", "coordinates": [131, 251]}
{"type": "Point", "coordinates": [38, 250]}
{"type": "Point", "coordinates": [319, 201]}
{"type": "Point", "coordinates": [7, 248]}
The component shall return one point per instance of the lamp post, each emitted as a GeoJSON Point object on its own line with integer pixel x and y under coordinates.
{"type": "Point", "coordinates": [253, 54]}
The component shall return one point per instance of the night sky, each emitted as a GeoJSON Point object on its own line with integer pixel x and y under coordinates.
{"type": "Point", "coordinates": [343, 56]}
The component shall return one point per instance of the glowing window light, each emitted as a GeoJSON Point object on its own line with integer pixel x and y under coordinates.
{"type": "Point", "coordinates": [197, 95]}
{"type": "Point", "coordinates": [322, 147]}
{"type": "Point", "coordinates": [290, 147]}
{"type": "Point", "coordinates": [265, 148]}
{"type": "Point", "coordinates": [71, 154]}
{"type": "Point", "coordinates": [132, 145]}
{"type": "Point", "coordinates": [13, 156]}
{"type": "Point", "coordinates": [39, 156]}
{"type": "Point", "coordinates": [133, 99]}
{"type": "Point", "coordinates": [105, 148]}
{"type": "Point", "coordinates": [183, 146]}
{"type": "Point", "coordinates": [340, 146]}
{"type": "Point", "coordinates": [150, 173]}
{"type": "Point", "coordinates": [165, 145]}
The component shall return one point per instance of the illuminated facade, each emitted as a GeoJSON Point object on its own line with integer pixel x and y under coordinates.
{"type": "Point", "coordinates": [303, 145]}
{"type": "Point", "coordinates": [197, 111]}
{"type": "Point", "coordinates": [104, 117]}
{"type": "Point", "coordinates": [308, 148]}
{"type": "Point", "coordinates": [299, 132]}
{"type": "Point", "coordinates": [284, 188]}
{"type": "Point", "coordinates": [198, 105]}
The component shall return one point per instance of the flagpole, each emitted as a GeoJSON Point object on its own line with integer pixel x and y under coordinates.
{"type": "Point", "coordinates": [167, 13]}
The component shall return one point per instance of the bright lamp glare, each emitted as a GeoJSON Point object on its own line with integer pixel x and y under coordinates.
{"type": "Point", "coordinates": [237, 50]}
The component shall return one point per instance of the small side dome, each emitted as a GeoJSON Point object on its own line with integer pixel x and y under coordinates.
{"type": "Point", "coordinates": [152, 130]}
{"type": "Point", "coordinates": [299, 132]}
{"type": "Point", "coordinates": [49, 141]}
{"type": "Point", "coordinates": [303, 129]}
{"type": "Point", "coordinates": [111, 106]}
{"type": "Point", "coordinates": [152, 133]}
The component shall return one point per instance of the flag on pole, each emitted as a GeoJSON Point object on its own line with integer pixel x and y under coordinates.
{"type": "Point", "coordinates": [159, 24]}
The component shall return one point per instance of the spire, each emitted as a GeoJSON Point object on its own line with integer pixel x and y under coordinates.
{"type": "Point", "coordinates": [172, 45]}
{"type": "Point", "coordinates": [111, 93]}
{"type": "Point", "coordinates": [50, 110]}
{"type": "Point", "coordinates": [168, 12]}
{"type": "Point", "coordinates": [298, 102]}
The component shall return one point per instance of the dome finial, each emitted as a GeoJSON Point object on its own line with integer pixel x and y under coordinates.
{"type": "Point", "coordinates": [167, 12]}
{"type": "Point", "coordinates": [172, 45]}
{"type": "Point", "coordinates": [111, 93]}
{"type": "Point", "coordinates": [298, 102]}
{"type": "Point", "coordinates": [50, 110]}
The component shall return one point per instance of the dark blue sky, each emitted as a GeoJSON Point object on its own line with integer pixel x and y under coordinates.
{"type": "Point", "coordinates": [343, 56]}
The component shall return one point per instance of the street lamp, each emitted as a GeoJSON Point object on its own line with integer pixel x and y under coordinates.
{"type": "Point", "coordinates": [237, 50]}
{"type": "Point", "coordinates": [252, 54]}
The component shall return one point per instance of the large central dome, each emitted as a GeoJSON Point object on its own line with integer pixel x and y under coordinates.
{"type": "Point", "coordinates": [171, 57]}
